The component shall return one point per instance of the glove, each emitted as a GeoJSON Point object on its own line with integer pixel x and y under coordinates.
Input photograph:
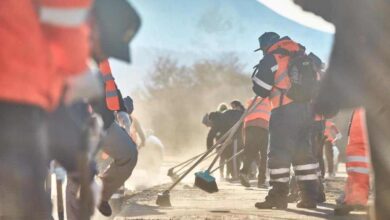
{"type": "Point", "coordinates": [84, 86]}
{"type": "Point", "coordinates": [124, 120]}
{"type": "Point", "coordinates": [338, 136]}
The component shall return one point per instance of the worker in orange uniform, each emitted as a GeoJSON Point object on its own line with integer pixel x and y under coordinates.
{"type": "Point", "coordinates": [358, 166]}
{"type": "Point", "coordinates": [291, 119]}
{"type": "Point", "coordinates": [332, 134]}
{"type": "Point", "coordinates": [44, 47]}
{"type": "Point", "coordinates": [256, 141]}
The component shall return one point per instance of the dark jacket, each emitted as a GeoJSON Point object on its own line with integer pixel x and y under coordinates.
{"type": "Point", "coordinates": [221, 123]}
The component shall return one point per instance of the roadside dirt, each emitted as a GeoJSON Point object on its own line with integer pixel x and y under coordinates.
{"type": "Point", "coordinates": [233, 201]}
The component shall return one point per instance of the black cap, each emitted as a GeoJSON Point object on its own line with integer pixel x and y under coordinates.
{"type": "Point", "coordinates": [267, 39]}
{"type": "Point", "coordinates": [118, 22]}
{"type": "Point", "coordinates": [128, 102]}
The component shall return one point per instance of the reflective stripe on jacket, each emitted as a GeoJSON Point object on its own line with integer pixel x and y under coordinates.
{"type": "Point", "coordinates": [39, 50]}
{"type": "Point", "coordinates": [261, 115]}
{"type": "Point", "coordinates": [111, 90]}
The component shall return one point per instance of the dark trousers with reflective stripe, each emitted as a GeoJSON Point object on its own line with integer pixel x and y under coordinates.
{"type": "Point", "coordinates": [290, 144]}
{"type": "Point", "coordinates": [256, 142]}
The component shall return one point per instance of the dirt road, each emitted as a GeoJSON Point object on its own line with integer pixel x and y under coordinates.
{"type": "Point", "coordinates": [233, 201]}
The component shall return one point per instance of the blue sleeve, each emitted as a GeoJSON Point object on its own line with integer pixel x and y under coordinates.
{"type": "Point", "coordinates": [263, 78]}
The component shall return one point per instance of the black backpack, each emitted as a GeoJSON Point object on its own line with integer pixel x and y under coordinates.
{"type": "Point", "coordinates": [303, 76]}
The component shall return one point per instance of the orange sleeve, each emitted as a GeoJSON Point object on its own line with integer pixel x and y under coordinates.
{"type": "Point", "coordinates": [64, 25]}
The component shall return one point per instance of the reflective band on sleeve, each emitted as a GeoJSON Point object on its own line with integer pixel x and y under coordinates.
{"type": "Point", "coordinates": [357, 159]}
{"type": "Point", "coordinates": [358, 170]}
{"type": "Point", "coordinates": [281, 180]}
{"type": "Point", "coordinates": [307, 166]}
{"type": "Point", "coordinates": [63, 16]}
{"type": "Point", "coordinates": [307, 177]}
{"type": "Point", "coordinates": [108, 77]}
{"type": "Point", "coordinates": [281, 77]}
{"type": "Point", "coordinates": [111, 94]}
{"type": "Point", "coordinates": [279, 171]}
{"type": "Point", "coordinates": [261, 83]}
{"type": "Point", "coordinates": [274, 68]}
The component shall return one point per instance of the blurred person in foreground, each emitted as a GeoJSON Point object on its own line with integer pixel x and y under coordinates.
{"type": "Point", "coordinates": [45, 50]}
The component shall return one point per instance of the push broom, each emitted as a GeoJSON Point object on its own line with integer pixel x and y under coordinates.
{"type": "Point", "coordinates": [203, 179]}
{"type": "Point", "coordinates": [163, 199]}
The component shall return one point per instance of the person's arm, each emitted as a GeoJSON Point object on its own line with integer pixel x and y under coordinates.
{"type": "Point", "coordinates": [263, 78]}
{"type": "Point", "coordinates": [65, 28]}
{"type": "Point", "coordinates": [337, 133]}
{"type": "Point", "coordinates": [211, 136]}
{"type": "Point", "coordinates": [140, 131]}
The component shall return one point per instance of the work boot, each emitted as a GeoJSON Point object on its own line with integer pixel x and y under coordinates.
{"type": "Point", "coordinates": [244, 180]}
{"type": "Point", "coordinates": [293, 198]}
{"type": "Point", "coordinates": [105, 209]}
{"type": "Point", "coordinates": [321, 192]}
{"type": "Point", "coordinates": [345, 209]}
{"type": "Point", "coordinates": [306, 204]}
{"type": "Point", "coordinates": [271, 203]}
{"type": "Point", "coordinates": [321, 197]}
{"type": "Point", "coordinates": [262, 185]}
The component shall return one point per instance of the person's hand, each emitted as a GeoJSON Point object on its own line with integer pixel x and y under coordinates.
{"type": "Point", "coordinates": [141, 145]}
{"type": "Point", "coordinates": [124, 120]}
{"type": "Point", "coordinates": [83, 86]}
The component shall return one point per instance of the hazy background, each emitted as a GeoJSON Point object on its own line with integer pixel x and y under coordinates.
{"type": "Point", "coordinates": [191, 55]}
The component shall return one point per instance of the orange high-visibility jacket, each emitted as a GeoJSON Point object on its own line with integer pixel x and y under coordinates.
{"type": "Point", "coordinates": [282, 80]}
{"type": "Point", "coordinates": [43, 42]}
{"type": "Point", "coordinates": [331, 131]}
{"type": "Point", "coordinates": [357, 187]}
{"type": "Point", "coordinates": [111, 90]}
{"type": "Point", "coordinates": [261, 115]}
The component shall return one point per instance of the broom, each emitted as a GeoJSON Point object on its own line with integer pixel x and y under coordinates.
{"type": "Point", "coordinates": [203, 179]}
{"type": "Point", "coordinates": [163, 199]}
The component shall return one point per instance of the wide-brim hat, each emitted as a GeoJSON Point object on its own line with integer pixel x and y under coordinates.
{"type": "Point", "coordinates": [267, 39]}
{"type": "Point", "coordinates": [118, 22]}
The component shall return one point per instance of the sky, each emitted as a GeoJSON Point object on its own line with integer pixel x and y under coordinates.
{"type": "Point", "coordinates": [190, 30]}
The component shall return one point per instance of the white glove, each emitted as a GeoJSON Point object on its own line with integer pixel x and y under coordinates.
{"type": "Point", "coordinates": [338, 136]}
{"type": "Point", "coordinates": [83, 86]}
{"type": "Point", "coordinates": [124, 120]}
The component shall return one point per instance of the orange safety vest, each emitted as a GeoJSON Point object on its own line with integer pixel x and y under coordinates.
{"type": "Point", "coordinates": [42, 43]}
{"type": "Point", "coordinates": [112, 96]}
{"type": "Point", "coordinates": [262, 111]}
{"type": "Point", "coordinates": [331, 131]}
{"type": "Point", "coordinates": [357, 186]}
{"type": "Point", "coordinates": [282, 81]}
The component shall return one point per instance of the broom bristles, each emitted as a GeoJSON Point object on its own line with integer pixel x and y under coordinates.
{"type": "Point", "coordinates": [205, 182]}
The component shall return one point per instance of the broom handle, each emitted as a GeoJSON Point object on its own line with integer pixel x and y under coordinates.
{"type": "Point", "coordinates": [181, 168]}
{"type": "Point", "coordinates": [225, 137]}
{"type": "Point", "coordinates": [228, 160]}
{"type": "Point", "coordinates": [185, 163]}
{"type": "Point", "coordinates": [249, 110]}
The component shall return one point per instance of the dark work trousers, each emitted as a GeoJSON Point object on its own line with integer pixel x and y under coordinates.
{"type": "Point", "coordinates": [379, 135]}
{"type": "Point", "coordinates": [23, 162]}
{"type": "Point", "coordinates": [328, 148]}
{"type": "Point", "coordinates": [256, 142]}
{"type": "Point", "coordinates": [291, 144]}
{"type": "Point", "coordinates": [232, 167]}
{"type": "Point", "coordinates": [317, 135]}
